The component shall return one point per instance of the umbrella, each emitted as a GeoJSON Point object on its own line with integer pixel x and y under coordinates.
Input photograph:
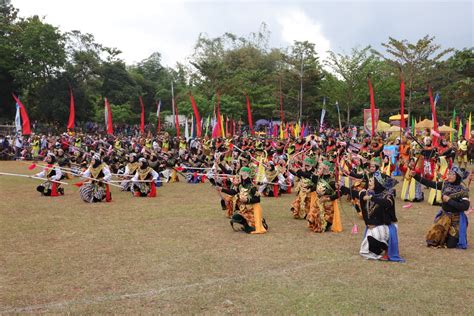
{"type": "Point", "coordinates": [424, 124]}
{"type": "Point", "coordinates": [382, 126]}
{"type": "Point", "coordinates": [397, 117]}
{"type": "Point", "coordinates": [393, 129]}
{"type": "Point", "coordinates": [446, 129]}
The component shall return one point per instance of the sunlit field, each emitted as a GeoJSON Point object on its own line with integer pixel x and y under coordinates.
{"type": "Point", "coordinates": [177, 253]}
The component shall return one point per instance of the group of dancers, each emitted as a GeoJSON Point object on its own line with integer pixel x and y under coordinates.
{"type": "Point", "coordinates": [319, 170]}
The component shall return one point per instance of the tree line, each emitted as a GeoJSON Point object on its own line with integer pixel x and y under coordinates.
{"type": "Point", "coordinates": [41, 63]}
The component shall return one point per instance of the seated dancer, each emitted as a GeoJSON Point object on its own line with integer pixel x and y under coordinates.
{"type": "Point", "coordinates": [411, 189]}
{"type": "Point", "coordinates": [326, 211]}
{"type": "Point", "coordinates": [249, 216]}
{"type": "Point", "coordinates": [96, 189]}
{"type": "Point", "coordinates": [130, 170]}
{"type": "Point", "coordinates": [450, 226]}
{"type": "Point", "coordinates": [273, 182]}
{"type": "Point", "coordinates": [144, 179]}
{"type": "Point", "coordinates": [306, 192]}
{"type": "Point", "coordinates": [378, 210]}
{"type": "Point", "coordinates": [52, 173]}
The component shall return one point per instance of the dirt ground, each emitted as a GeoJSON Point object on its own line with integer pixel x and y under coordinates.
{"type": "Point", "coordinates": [177, 254]}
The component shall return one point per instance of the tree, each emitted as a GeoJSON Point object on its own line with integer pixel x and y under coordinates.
{"type": "Point", "coordinates": [353, 69]}
{"type": "Point", "coordinates": [413, 61]}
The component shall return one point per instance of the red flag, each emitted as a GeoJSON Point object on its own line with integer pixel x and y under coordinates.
{"type": "Point", "coordinates": [249, 115]}
{"type": "Point", "coordinates": [25, 126]}
{"type": "Point", "coordinates": [108, 118]}
{"type": "Point", "coordinates": [32, 166]}
{"type": "Point", "coordinates": [196, 115]}
{"type": "Point", "coordinates": [402, 104]}
{"type": "Point", "coordinates": [142, 117]}
{"type": "Point", "coordinates": [372, 106]}
{"type": "Point", "coordinates": [70, 122]}
{"type": "Point", "coordinates": [176, 117]}
{"type": "Point", "coordinates": [158, 116]}
{"type": "Point", "coordinates": [219, 121]}
{"type": "Point", "coordinates": [433, 112]}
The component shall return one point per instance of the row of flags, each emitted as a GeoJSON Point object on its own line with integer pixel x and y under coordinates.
{"type": "Point", "coordinates": [219, 126]}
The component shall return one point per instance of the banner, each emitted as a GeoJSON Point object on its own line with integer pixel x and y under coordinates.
{"type": "Point", "coordinates": [108, 118]}
{"type": "Point", "coordinates": [372, 108]}
{"type": "Point", "coordinates": [72, 112]}
{"type": "Point", "coordinates": [26, 129]}
{"type": "Point", "coordinates": [142, 115]}
{"type": "Point", "coordinates": [249, 116]}
{"type": "Point", "coordinates": [368, 120]}
{"type": "Point", "coordinates": [196, 115]}
{"type": "Point", "coordinates": [18, 119]}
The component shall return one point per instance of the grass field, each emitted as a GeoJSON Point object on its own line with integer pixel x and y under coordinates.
{"type": "Point", "coordinates": [178, 254]}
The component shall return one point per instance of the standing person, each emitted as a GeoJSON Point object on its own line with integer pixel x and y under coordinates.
{"type": "Point", "coordinates": [18, 145]}
{"type": "Point", "coordinates": [450, 226]}
{"type": "Point", "coordinates": [462, 151]}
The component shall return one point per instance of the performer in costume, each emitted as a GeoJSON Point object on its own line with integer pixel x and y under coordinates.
{"type": "Point", "coordinates": [95, 189]}
{"type": "Point", "coordinates": [321, 217]}
{"type": "Point", "coordinates": [130, 170]}
{"type": "Point", "coordinates": [274, 181]}
{"type": "Point", "coordinates": [429, 158]}
{"type": "Point", "coordinates": [450, 226]}
{"type": "Point", "coordinates": [411, 189]}
{"type": "Point", "coordinates": [378, 209]}
{"type": "Point", "coordinates": [462, 151]}
{"type": "Point", "coordinates": [144, 173]}
{"type": "Point", "coordinates": [305, 201]}
{"type": "Point", "coordinates": [249, 217]}
{"type": "Point", "coordinates": [52, 173]}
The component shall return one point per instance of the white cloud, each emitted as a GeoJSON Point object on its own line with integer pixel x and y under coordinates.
{"type": "Point", "coordinates": [297, 26]}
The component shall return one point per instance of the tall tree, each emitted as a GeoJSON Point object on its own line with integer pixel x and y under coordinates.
{"type": "Point", "coordinates": [414, 61]}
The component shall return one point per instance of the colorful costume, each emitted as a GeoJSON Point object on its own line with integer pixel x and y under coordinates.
{"type": "Point", "coordinates": [450, 226]}
{"type": "Point", "coordinates": [249, 216]}
{"type": "Point", "coordinates": [96, 190]}
{"type": "Point", "coordinates": [52, 173]}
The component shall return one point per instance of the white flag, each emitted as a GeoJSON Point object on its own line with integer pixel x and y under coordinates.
{"type": "Point", "coordinates": [18, 119]}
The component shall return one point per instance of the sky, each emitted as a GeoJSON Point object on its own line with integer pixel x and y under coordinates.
{"type": "Point", "coordinates": [139, 28]}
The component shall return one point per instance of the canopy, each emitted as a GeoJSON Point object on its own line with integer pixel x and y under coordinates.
{"type": "Point", "coordinates": [382, 126]}
{"type": "Point", "coordinates": [262, 122]}
{"type": "Point", "coordinates": [446, 129]}
{"type": "Point", "coordinates": [393, 129]}
{"type": "Point", "coordinates": [424, 124]}
{"type": "Point", "coordinates": [397, 117]}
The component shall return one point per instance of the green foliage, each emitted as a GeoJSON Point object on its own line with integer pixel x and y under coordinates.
{"type": "Point", "coordinates": [41, 63]}
{"type": "Point", "coordinates": [121, 114]}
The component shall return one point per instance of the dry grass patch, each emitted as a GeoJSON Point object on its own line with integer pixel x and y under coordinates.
{"type": "Point", "coordinates": [177, 254]}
